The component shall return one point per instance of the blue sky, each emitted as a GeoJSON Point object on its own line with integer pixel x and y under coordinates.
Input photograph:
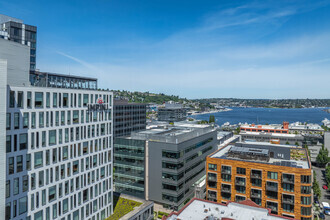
{"type": "Point", "coordinates": [195, 49]}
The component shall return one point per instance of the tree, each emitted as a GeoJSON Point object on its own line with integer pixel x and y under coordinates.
{"type": "Point", "coordinates": [287, 143]}
{"type": "Point", "coordinates": [316, 187]}
{"type": "Point", "coordinates": [297, 144]}
{"type": "Point", "coordinates": [211, 119]}
{"type": "Point", "coordinates": [322, 158]}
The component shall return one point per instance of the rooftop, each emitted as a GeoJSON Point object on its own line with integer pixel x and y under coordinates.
{"type": "Point", "coordinates": [177, 133]}
{"type": "Point", "coordinates": [125, 102]}
{"type": "Point", "coordinates": [198, 209]}
{"type": "Point", "coordinates": [271, 134]}
{"type": "Point", "coordinates": [56, 80]}
{"type": "Point", "coordinates": [298, 156]}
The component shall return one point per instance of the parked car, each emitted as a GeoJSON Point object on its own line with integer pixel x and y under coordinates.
{"type": "Point", "coordinates": [324, 187]}
{"type": "Point", "coordinates": [321, 215]}
{"type": "Point", "coordinates": [326, 208]}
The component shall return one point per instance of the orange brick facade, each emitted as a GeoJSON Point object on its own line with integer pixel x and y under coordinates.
{"type": "Point", "coordinates": [260, 128]}
{"type": "Point", "coordinates": [264, 168]}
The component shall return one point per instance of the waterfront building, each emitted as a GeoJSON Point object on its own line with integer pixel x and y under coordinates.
{"type": "Point", "coordinates": [163, 163]}
{"type": "Point", "coordinates": [198, 209]}
{"type": "Point", "coordinates": [305, 128]}
{"type": "Point", "coordinates": [278, 177]}
{"type": "Point", "coordinates": [279, 138]}
{"type": "Point", "coordinates": [56, 148]}
{"type": "Point", "coordinates": [172, 112]}
{"type": "Point", "coordinates": [282, 129]}
{"type": "Point", "coordinates": [128, 117]}
{"type": "Point", "coordinates": [14, 29]}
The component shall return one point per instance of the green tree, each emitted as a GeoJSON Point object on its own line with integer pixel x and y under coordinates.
{"type": "Point", "coordinates": [211, 119]}
{"type": "Point", "coordinates": [287, 143]}
{"type": "Point", "coordinates": [322, 158]}
{"type": "Point", "coordinates": [316, 187]}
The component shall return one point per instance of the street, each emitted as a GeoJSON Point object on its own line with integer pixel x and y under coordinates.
{"type": "Point", "coordinates": [325, 194]}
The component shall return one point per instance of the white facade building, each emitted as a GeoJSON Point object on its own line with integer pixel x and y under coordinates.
{"type": "Point", "coordinates": [55, 151]}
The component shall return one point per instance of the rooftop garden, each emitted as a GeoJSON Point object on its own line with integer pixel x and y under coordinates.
{"type": "Point", "coordinates": [122, 206]}
{"type": "Point", "coordinates": [298, 154]}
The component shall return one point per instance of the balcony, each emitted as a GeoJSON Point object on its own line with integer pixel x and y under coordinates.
{"type": "Point", "coordinates": [271, 188]}
{"type": "Point", "coordinates": [239, 183]}
{"type": "Point", "coordinates": [223, 171]}
{"type": "Point", "coordinates": [256, 175]}
{"type": "Point", "coordinates": [212, 178]}
{"type": "Point", "coordinates": [212, 196]}
{"type": "Point", "coordinates": [288, 180]}
{"type": "Point", "coordinates": [272, 207]}
{"type": "Point", "coordinates": [255, 195]}
{"type": "Point", "coordinates": [288, 200]}
{"type": "Point", "coordinates": [225, 190]}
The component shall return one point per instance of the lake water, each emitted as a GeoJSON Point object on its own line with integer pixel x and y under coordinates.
{"type": "Point", "coordinates": [267, 115]}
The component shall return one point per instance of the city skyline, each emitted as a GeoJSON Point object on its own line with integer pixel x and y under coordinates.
{"type": "Point", "coordinates": [214, 49]}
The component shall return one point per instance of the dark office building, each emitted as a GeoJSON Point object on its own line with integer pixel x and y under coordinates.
{"type": "Point", "coordinates": [14, 29]}
{"type": "Point", "coordinates": [172, 112]}
{"type": "Point", "coordinates": [128, 117]}
{"type": "Point", "coordinates": [162, 164]}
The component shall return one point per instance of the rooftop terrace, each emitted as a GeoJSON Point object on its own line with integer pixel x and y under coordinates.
{"type": "Point", "coordinates": [298, 157]}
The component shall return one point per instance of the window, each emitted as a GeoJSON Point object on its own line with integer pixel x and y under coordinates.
{"type": "Point", "coordinates": [16, 186]}
{"type": "Point", "coordinates": [52, 137]}
{"type": "Point", "coordinates": [52, 193]}
{"type": "Point", "coordinates": [38, 159]}
{"type": "Point", "coordinates": [38, 102]}
{"type": "Point", "coordinates": [306, 210]}
{"type": "Point", "coordinates": [54, 99]}
{"type": "Point", "coordinates": [305, 179]}
{"type": "Point", "coordinates": [85, 102]}
{"type": "Point", "coordinates": [65, 99]}
{"type": "Point", "coordinates": [306, 200]}
{"type": "Point", "coordinates": [7, 188]}
{"type": "Point", "coordinates": [272, 175]}
{"type": "Point", "coordinates": [75, 117]}
{"type": "Point", "coordinates": [33, 120]}
{"type": "Point", "coordinates": [11, 165]}
{"type": "Point", "coordinates": [212, 167]}
{"type": "Point", "coordinates": [12, 99]}
{"type": "Point", "coordinates": [65, 206]}
{"type": "Point", "coordinates": [19, 164]}
{"type": "Point", "coordinates": [79, 100]}
{"type": "Point", "coordinates": [305, 189]}
{"type": "Point", "coordinates": [23, 141]}
{"type": "Point", "coordinates": [25, 183]}
{"type": "Point", "coordinates": [19, 99]}
{"type": "Point", "coordinates": [57, 118]}
{"type": "Point", "coordinates": [38, 215]}
{"type": "Point", "coordinates": [28, 161]}
{"type": "Point", "coordinates": [26, 120]}
{"type": "Point", "coordinates": [8, 121]}
{"type": "Point", "coordinates": [22, 205]}
{"type": "Point", "coordinates": [241, 171]}
{"type": "Point", "coordinates": [68, 117]}
{"type": "Point", "coordinates": [288, 187]}
{"type": "Point", "coordinates": [47, 99]}
{"type": "Point", "coordinates": [8, 143]}
{"type": "Point", "coordinates": [65, 152]}
{"type": "Point", "coordinates": [16, 120]}
{"type": "Point", "coordinates": [28, 100]}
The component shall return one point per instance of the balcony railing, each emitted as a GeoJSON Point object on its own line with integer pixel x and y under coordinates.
{"type": "Point", "coordinates": [223, 171]}
{"type": "Point", "coordinates": [256, 175]}
{"type": "Point", "coordinates": [212, 178]}
{"type": "Point", "coordinates": [227, 190]}
{"type": "Point", "coordinates": [256, 195]}
{"type": "Point", "coordinates": [271, 188]}
{"type": "Point", "coordinates": [272, 207]}
{"type": "Point", "coordinates": [212, 196]}
{"type": "Point", "coordinates": [288, 180]}
{"type": "Point", "coordinates": [240, 183]}
{"type": "Point", "coordinates": [288, 200]}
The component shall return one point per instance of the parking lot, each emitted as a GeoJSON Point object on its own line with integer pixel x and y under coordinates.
{"type": "Point", "coordinates": [325, 194]}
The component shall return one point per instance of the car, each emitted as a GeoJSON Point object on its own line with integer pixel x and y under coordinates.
{"type": "Point", "coordinates": [321, 215]}
{"type": "Point", "coordinates": [324, 187]}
